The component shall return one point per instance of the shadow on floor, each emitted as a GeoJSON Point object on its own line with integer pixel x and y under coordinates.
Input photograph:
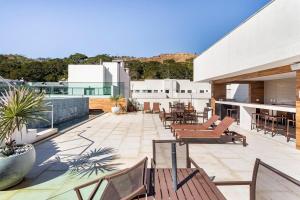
{"type": "Point", "coordinates": [51, 164]}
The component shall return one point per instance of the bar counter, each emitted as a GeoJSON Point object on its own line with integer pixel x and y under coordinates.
{"type": "Point", "coordinates": [246, 110]}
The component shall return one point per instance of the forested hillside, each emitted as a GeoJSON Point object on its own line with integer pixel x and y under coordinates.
{"type": "Point", "coordinates": [55, 69]}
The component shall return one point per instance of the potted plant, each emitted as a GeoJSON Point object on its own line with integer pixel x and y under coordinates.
{"type": "Point", "coordinates": [17, 108]}
{"type": "Point", "coordinates": [131, 105]}
{"type": "Point", "coordinates": [115, 100]}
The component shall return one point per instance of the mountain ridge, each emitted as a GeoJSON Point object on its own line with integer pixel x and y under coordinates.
{"type": "Point", "coordinates": [177, 57]}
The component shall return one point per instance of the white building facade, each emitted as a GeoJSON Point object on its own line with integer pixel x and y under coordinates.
{"type": "Point", "coordinates": [263, 55]}
{"type": "Point", "coordinates": [171, 90]}
{"type": "Point", "coordinates": [106, 79]}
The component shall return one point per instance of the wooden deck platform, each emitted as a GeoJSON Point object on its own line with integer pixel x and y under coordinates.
{"type": "Point", "coordinates": [192, 184]}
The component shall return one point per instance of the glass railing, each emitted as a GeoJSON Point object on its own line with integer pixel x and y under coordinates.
{"type": "Point", "coordinates": [76, 89]}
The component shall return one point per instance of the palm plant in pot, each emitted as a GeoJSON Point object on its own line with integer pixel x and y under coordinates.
{"type": "Point", "coordinates": [115, 100]}
{"type": "Point", "coordinates": [17, 108]}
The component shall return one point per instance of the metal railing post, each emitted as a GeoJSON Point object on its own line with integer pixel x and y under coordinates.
{"type": "Point", "coordinates": [52, 115]}
{"type": "Point", "coordinates": [174, 166]}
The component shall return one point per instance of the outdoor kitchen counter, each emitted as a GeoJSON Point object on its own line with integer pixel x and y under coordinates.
{"type": "Point", "coordinates": [246, 110]}
{"type": "Point", "coordinates": [279, 107]}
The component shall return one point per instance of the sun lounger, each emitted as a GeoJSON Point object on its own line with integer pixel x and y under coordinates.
{"type": "Point", "coordinates": [220, 134]}
{"type": "Point", "coordinates": [204, 126]}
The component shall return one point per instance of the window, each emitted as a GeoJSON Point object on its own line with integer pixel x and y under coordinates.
{"type": "Point", "coordinates": [149, 91]}
{"type": "Point", "coordinates": [144, 91]}
{"type": "Point", "coordinates": [182, 91]}
{"type": "Point", "coordinates": [161, 90]}
{"type": "Point", "coordinates": [177, 91]}
{"type": "Point", "coordinates": [206, 90]}
{"type": "Point", "coordinates": [155, 91]}
{"type": "Point", "coordinates": [167, 91]}
{"type": "Point", "coordinates": [137, 91]}
{"type": "Point", "coordinates": [189, 91]}
{"type": "Point", "coordinates": [201, 91]}
{"type": "Point", "coordinates": [89, 91]}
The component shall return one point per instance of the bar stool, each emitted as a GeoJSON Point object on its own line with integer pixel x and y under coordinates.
{"type": "Point", "coordinates": [272, 124]}
{"type": "Point", "coordinates": [289, 132]}
{"type": "Point", "coordinates": [234, 113]}
{"type": "Point", "coordinates": [257, 121]}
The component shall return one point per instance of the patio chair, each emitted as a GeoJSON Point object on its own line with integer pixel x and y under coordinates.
{"type": "Point", "coordinates": [268, 183]}
{"type": "Point", "coordinates": [162, 154]}
{"type": "Point", "coordinates": [204, 113]}
{"type": "Point", "coordinates": [167, 117]}
{"type": "Point", "coordinates": [126, 184]}
{"type": "Point", "coordinates": [204, 126]}
{"type": "Point", "coordinates": [156, 108]}
{"type": "Point", "coordinates": [190, 116]}
{"type": "Point", "coordinates": [147, 108]}
{"type": "Point", "coordinates": [220, 134]}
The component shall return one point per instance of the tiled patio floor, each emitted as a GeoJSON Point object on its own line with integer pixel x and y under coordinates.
{"type": "Point", "coordinates": [131, 135]}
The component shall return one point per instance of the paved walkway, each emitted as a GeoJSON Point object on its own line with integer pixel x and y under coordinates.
{"type": "Point", "coordinates": [131, 136]}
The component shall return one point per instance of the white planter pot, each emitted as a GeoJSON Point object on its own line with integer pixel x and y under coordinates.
{"type": "Point", "coordinates": [115, 109]}
{"type": "Point", "coordinates": [15, 167]}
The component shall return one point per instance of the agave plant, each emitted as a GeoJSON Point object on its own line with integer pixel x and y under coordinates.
{"type": "Point", "coordinates": [116, 99]}
{"type": "Point", "coordinates": [17, 108]}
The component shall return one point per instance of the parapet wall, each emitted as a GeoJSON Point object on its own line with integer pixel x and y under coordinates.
{"type": "Point", "coordinates": [64, 109]}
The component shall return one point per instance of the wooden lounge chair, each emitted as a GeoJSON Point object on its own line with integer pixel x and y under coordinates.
{"type": "Point", "coordinates": [220, 134]}
{"type": "Point", "coordinates": [204, 126]}
{"type": "Point", "coordinates": [126, 184]}
{"type": "Point", "coordinates": [147, 108]}
{"type": "Point", "coordinates": [156, 108]}
{"type": "Point", "coordinates": [268, 183]}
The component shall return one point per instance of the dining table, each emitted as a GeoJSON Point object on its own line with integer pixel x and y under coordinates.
{"type": "Point", "coordinates": [193, 184]}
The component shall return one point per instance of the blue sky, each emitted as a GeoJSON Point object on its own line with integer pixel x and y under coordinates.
{"type": "Point", "coordinates": [58, 28]}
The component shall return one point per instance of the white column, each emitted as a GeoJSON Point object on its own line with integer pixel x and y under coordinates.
{"type": "Point", "coordinates": [245, 117]}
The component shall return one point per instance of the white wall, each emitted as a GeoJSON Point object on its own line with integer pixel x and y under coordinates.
{"type": "Point", "coordinates": [125, 78]}
{"type": "Point", "coordinates": [271, 38]}
{"type": "Point", "coordinates": [173, 85]}
{"type": "Point", "coordinates": [112, 72]}
{"type": "Point", "coordinates": [85, 73]}
{"type": "Point", "coordinates": [282, 91]}
{"type": "Point", "coordinates": [115, 73]}
{"type": "Point", "coordinates": [84, 76]}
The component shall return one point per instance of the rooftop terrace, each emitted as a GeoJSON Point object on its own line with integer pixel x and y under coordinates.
{"type": "Point", "coordinates": [131, 136]}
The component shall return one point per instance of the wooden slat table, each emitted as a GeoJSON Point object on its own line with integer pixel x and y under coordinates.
{"type": "Point", "coordinates": [192, 184]}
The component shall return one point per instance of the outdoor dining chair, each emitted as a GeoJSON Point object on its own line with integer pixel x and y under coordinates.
{"type": "Point", "coordinates": [162, 157]}
{"type": "Point", "coordinates": [156, 108]}
{"type": "Point", "coordinates": [167, 117]}
{"type": "Point", "coordinates": [268, 183]}
{"type": "Point", "coordinates": [125, 184]}
{"type": "Point", "coordinates": [147, 108]}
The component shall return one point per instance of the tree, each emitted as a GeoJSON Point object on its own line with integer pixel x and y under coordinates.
{"type": "Point", "coordinates": [77, 58]}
